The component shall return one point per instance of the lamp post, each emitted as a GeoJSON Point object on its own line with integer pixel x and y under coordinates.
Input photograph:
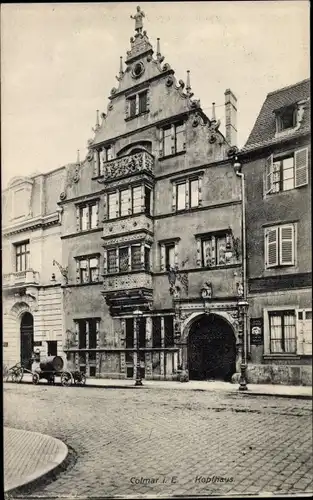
{"type": "Point", "coordinates": [242, 302]}
{"type": "Point", "coordinates": [138, 314]}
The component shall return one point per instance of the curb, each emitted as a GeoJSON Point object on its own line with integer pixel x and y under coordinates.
{"type": "Point", "coordinates": [228, 392]}
{"type": "Point", "coordinates": [42, 472]}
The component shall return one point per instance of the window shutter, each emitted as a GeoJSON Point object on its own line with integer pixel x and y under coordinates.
{"type": "Point", "coordinates": [173, 137]}
{"type": "Point", "coordinates": [88, 216]}
{"type": "Point", "coordinates": [137, 104]}
{"type": "Point", "coordinates": [271, 242]}
{"type": "Point", "coordinates": [268, 177]}
{"type": "Point", "coordinates": [127, 105]}
{"type": "Point", "coordinates": [77, 271]}
{"type": "Point", "coordinates": [301, 167]}
{"type": "Point", "coordinates": [287, 245]}
{"type": "Point", "coordinates": [117, 203]}
{"type": "Point", "coordinates": [78, 225]}
{"type": "Point", "coordinates": [97, 214]}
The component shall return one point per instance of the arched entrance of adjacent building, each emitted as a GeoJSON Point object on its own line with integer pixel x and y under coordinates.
{"type": "Point", "coordinates": [27, 339]}
{"type": "Point", "coordinates": [211, 349]}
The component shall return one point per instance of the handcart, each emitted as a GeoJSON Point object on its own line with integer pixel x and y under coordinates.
{"type": "Point", "coordinates": [52, 367]}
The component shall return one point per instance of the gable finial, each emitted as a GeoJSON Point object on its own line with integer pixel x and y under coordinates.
{"type": "Point", "coordinates": [188, 87]}
{"type": "Point", "coordinates": [138, 20]}
{"type": "Point", "coordinates": [78, 156]}
{"type": "Point", "coordinates": [97, 119]}
{"type": "Point", "coordinates": [121, 67]}
{"type": "Point", "coordinates": [158, 47]}
{"type": "Point", "coordinates": [213, 112]}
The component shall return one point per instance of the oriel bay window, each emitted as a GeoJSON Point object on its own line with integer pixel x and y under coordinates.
{"type": "Point", "coordinates": [129, 201]}
{"type": "Point", "coordinates": [22, 256]}
{"type": "Point", "coordinates": [87, 269]}
{"type": "Point", "coordinates": [87, 216]}
{"type": "Point", "coordinates": [187, 193]}
{"type": "Point", "coordinates": [282, 330]}
{"type": "Point", "coordinates": [123, 259]}
{"type": "Point", "coordinates": [172, 139]}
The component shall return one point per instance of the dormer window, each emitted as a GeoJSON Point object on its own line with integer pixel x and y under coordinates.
{"type": "Point", "coordinates": [286, 118]}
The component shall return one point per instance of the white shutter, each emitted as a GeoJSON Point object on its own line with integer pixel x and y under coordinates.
{"type": "Point", "coordinates": [161, 139]}
{"type": "Point", "coordinates": [301, 167]}
{"type": "Point", "coordinates": [268, 175]}
{"type": "Point", "coordinates": [286, 241]}
{"type": "Point", "coordinates": [271, 247]}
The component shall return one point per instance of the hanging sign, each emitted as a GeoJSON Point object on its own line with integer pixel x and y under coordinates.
{"type": "Point", "coordinates": [256, 331]}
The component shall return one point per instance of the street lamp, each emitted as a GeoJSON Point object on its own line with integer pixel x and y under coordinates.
{"type": "Point", "coordinates": [138, 314]}
{"type": "Point", "coordinates": [242, 302]}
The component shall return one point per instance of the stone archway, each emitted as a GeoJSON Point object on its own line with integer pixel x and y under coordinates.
{"type": "Point", "coordinates": [211, 348]}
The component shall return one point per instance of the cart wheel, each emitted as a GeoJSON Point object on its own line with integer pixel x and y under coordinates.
{"type": "Point", "coordinates": [19, 375]}
{"type": "Point", "coordinates": [35, 378]}
{"type": "Point", "coordinates": [83, 379]}
{"type": "Point", "coordinates": [66, 379]}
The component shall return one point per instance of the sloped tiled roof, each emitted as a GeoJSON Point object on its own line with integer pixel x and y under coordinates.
{"type": "Point", "coordinates": [263, 132]}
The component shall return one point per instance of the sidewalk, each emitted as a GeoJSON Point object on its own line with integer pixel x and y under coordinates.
{"type": "Point", "coordinates": [294, 391]}
{"type": "Point", "coordinates": [28, 456]}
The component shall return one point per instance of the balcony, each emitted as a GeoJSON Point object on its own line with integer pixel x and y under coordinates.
{"type": "Point", "coordinates": [134, 224]}
{"type": "Point", "coordinates": [125, 291]}
{"type": "Point", "coordinates": [20, 279]}
{"type": "Point", "coordinates": [127, 165]}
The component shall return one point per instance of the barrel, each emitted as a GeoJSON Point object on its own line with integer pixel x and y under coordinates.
{"type": "Point", "coordinates": [52, 363]}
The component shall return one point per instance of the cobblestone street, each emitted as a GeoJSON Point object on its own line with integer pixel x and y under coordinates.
{"type": "Point", "coordinates": [137, 442]}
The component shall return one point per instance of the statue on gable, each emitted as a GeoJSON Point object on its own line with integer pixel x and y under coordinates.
{"type": "Point", "coordinates": [138, 20]}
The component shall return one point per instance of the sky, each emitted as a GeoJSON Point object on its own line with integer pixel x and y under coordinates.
{"type": "Point", "coordinates": [59, 62]}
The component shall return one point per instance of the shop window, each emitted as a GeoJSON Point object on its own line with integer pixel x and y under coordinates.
{"type": "Point", "coordinates": [282, 331]}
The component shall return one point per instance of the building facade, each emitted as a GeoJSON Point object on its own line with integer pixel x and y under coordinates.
{"type": "Point", "coordinates": [276, 161]}
{"type": "Point", "coordinates": [151, 221]}
{"type": "Point", "coordinates": [32, 296]}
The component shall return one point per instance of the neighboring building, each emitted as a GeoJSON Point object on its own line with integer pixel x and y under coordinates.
{"type": "Point", "coordinates": [276, 161]}
{"type": "Point", "coordinates": [32, 299]}
{"type": "Point", "coordinates": [156, 192]}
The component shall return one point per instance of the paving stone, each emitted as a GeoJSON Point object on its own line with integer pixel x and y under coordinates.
{"type": "Point", "coordinates": [120, 433]}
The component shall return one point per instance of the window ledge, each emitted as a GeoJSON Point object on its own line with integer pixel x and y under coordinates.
{"type": "Point", "coordinates": [129, 118]}
{"type": "Point", "coordinates": [129, 216]}
{"type": "Point", "coordinates": [125, 273]}
{"type": "Point", "coordinates": [281, 355]}
{"type": "Point", "coordinates": [161, 158]}
{"type": "Point", "coordinates": [280, 266]}
{"type": "Point", "coordinates": [68, 285]}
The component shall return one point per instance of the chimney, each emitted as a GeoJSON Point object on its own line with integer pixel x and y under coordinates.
{"type": "Point", "coordinates": [231, 118]}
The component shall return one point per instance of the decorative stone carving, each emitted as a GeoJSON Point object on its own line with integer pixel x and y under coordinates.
{"type": "Point", "coordinates": [206, 290]}
{"type": "Point", "coordinates": [63, 196]}
{"type": "Point", "coordinates": [213, 130]}
{"type": "Point", "coordinates": [138, 70]}
{"type": "Point", "coordinates": [196, 120]}
{"type": "Point", "coordinates": [166, 67]}
{"type": "Point", "coordinates": [126, 165]}
{"type": "Point", "coordinates": [63, 271]}
{"type": "Point", "coordinates": [113, 91]}
{"type": "Point", "coordinates": [169, 81]}
{"type": "Point", "coordinates": [139, 15]}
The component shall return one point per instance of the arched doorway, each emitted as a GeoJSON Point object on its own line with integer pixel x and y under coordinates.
{"type": "Point", "coordinates": [211, 349]}
{"type": "Point", "coordinates": [27, 339]}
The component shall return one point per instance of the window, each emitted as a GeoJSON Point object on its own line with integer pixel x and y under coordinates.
{"type": "Point", "coordinates": [129, 333]}
{"type": "Point", "coordinates": [172, 139]}
{"type": "Point", "coordinates": [129, 201]}
{"type": "Point", "coordinates": [88, 269]}
{"type": "Point", "coordinates": [215, 250]}
{"type": "Point", "coordinates": [156, 331]}
{"type": "Point", "coordinates": [132, 106]}
{"type": "Point", "coordinates": [169, 255]}
{"type": "Point", "coordinates": [286, 119]}
{"type": "Point", "coordinates": [123, 259]}
{"type": "Point", "coordinates": [112, 205]}
{"type": "Point", "coordinates": [187, 194]}
{"type": "Point", "coordinates": [168, 331]}
{"type": "Point", "coordinates": [129, 258]}
{"type": "Point", "coordinates": [111, 263]}
{"type": "Point", "coordinates": [135, 257]}
{"type": "Point", "coordinates": [280, 246]}
{"type": "Point", "coordinates": [137, 104]}
{"type": "Point", "coordinates": [287, 172]}
{"type": "Point", "coordinates": [142, 102]}
{"type": "Point", "coordinates": [282, 326]}
{"type": "Point", "coordinates": [22, 256]}
{"type": "Point", "coordinates": [88, 333]}
{"type": "Point", "coordinates": [124, 202]}
{"type": "Point", "coordinates": [106, 154]}
{"type": "Point", "coordinates": [136, 200]}
{"type": "Point", "coordinates": [181, 196]}
{"type": "Point", "coordinates": [88, 216]}
{"type": "Point", "coordinates": [147, 258]}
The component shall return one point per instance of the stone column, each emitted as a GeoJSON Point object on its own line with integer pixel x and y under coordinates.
{"type": "Point", "coordinates": [122, 344]}
{"type": "Point", "coordinates": [162, 354]}
{"type": "Point", "coordinates": [148, 355]}
{"type": "Point", "coordinates": [135, 345]}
